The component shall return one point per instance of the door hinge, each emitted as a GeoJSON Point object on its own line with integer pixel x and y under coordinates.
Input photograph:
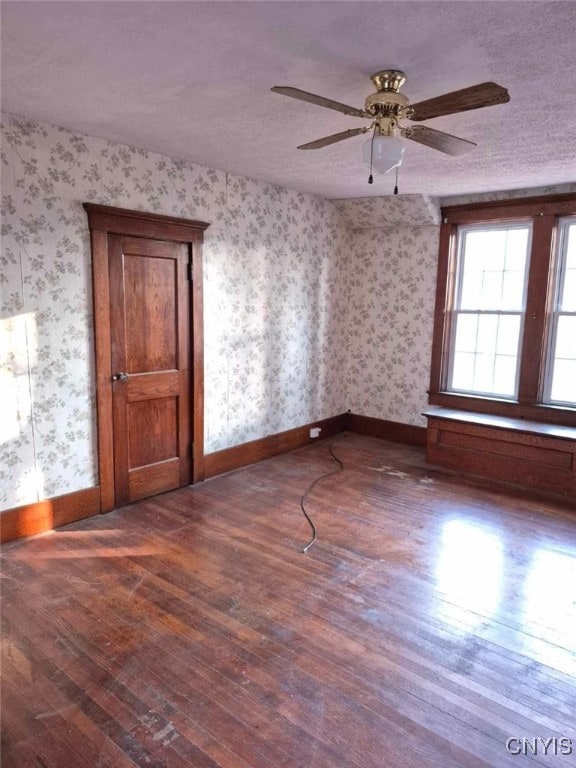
{"type": "Point", "coordinates": [189, 271]}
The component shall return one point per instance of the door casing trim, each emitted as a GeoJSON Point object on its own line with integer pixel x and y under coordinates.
{"type": "Point", "coordinates": [103, 221]}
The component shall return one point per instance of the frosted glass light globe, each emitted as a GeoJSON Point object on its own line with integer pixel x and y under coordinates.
{"type": "Point", "coordinates": [387, 153]}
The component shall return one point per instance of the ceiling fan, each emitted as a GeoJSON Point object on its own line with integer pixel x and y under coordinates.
{"type": "Point", "coordinates": [387, 107]}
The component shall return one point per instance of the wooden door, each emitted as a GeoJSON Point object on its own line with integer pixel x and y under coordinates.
{"type": "Point", "coordinates": [150, 362]}
{"type": "Point", "coordinates": [127, 245]}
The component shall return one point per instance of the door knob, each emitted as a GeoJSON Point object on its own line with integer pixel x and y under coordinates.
{"type": "Point", "coordinates": [121, 376]}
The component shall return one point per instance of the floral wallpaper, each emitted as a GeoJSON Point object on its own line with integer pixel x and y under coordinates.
{"type": "Point", "coordinates": [312, 306]}
{"type": "Point", "coordinates": [274, 306]}
{"type": "Point", "coordinates": [392, 210]}
{"type": "Point", "coordinates": [393, 250]}
{"type": "Point", "coordinates": [392, 287]}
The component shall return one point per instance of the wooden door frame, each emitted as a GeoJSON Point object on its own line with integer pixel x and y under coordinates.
{"type": "Point", "coordinates": [103, 221]}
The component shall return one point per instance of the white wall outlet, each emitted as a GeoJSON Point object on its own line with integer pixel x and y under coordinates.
{"type": "Point", "coordinates": [315, 431]}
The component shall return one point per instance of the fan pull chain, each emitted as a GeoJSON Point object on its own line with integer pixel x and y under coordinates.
{"type": "Point", "coordinates": [396, 187]}
{"type": "Point", "coordinates": [371, 178]}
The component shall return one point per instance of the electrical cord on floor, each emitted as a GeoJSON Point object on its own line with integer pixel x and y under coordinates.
{"type": "Point", "coordinates": [311, 487]}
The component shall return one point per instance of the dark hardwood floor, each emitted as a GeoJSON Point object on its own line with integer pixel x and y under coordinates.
{"type": "Point", "coordinates": [433, 620]}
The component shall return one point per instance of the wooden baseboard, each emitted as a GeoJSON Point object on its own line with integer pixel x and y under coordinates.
{"type": "Point", "coordinates": [240, 455]}
{"type": "Point", "coordinates": [387, 430]}
{"type": "Point", "coordinates": [30, 519]}
{"type": "Point", "coordinates": [19, 522]}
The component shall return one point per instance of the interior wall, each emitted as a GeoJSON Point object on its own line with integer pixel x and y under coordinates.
{"type": "Point", "coordinates": [312, 306]}
{"type": "Point", "coordinates": [393, 253]}
{"type": "Point", "coordinates": [273, 297]}
{"type": "Point", "coordinates": [392, 291]}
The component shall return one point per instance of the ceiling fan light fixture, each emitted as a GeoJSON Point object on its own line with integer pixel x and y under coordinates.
{"type": "Point", "coordinates": [388, 108]}
{"type": "Point", "coordinates": [383, 153]}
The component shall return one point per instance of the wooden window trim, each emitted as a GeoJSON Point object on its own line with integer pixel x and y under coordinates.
{"type": "Point", "coordinates": [544, 212]}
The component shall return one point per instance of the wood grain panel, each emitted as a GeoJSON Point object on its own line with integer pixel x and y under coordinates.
{"type": "Point", "coordinates": [512, 470]}
{"type": "Point", "coordinates": [445, 277]}
{"type": "Point", "coordinates": [150, 385]}
{"type": "Point", "coordinates": [152, 431]}
{"type": "Point", "coordinates": [488, 444]}
{"type": "Point", "coordinates": [101, 300]}
{"type": "Point", "coordinates": [197, 411]}
{"type": "Point", "coordinates": [532, 460]}
{"type": "Point", "coordinates": [516, 208]}
{"type": "Point", "coordinates": [150, 313]}
{"type": "Point", "coordinates": [121, 221]}
{"type": "Point", "coordinates": [534, 338]}
{"type": "Point", "coordinates": [152, 479]}
{"type": "Point", "coordinates": [118, 353]}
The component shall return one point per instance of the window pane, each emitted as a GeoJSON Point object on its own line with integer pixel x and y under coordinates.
{"type": "Point", "coordinates": [484, 372]}
{"type": "Point", "coordinates": [564, 382]}
{"type": "Point", "coordinates": [487, 246]}
{"type": "Point", "coordinates": [566, 338]}
{"type": "Point", "coordinates": [508, 335]}
{"type": "Point", "coordinates": [487, 330]}
{"type": "Point", "coordinates": [568, 300]}
{"type": "Point", "coordinates": [472, 280]}
{"type": "Point", "coordinates": [485, 356]}
{"type": "Point", "coordinates": [463, 370]}
{"type": "Point", "coordinates": [491, 289]}
{"type": "Point", "coordinates": [571, 246]}
{"type": "Point", "coordinates": [512, 290]}
{"type": "Point", "coordinates": [505, 376]}
{"type": "Point", "coordinates": [516, 248]}
{"type": "Point", "coordinates": [466, 330]}
{"type": "Point", "coordinates": [492, 268]}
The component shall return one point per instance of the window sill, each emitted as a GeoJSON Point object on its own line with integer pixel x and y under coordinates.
{"type": "Point", "coordinates": [547, 414]}
{"type": "Point", "coordinates": [503, 422]}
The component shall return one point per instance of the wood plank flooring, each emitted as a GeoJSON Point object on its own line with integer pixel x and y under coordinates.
{"type": "Point", "coordinates": [433, 620]}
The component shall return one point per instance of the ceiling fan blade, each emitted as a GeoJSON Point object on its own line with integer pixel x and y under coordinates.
{"type": "Point", "coordinates": [319, 143]}
{"type": "Point", "coordinates": [475, 97]}
{"type": "Point", "coordinates": [444, 142]}
{"type": "Point", "coordinates": [320, 101]}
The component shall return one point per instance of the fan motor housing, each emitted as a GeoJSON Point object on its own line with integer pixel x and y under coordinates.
{"type": "Point", "coordinates": [386, 104]}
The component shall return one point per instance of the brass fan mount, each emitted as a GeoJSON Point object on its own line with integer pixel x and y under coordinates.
{"type": "Point", "coordinates": [390, 80]}
{"type": "Point", "coordinates": [388, 101]}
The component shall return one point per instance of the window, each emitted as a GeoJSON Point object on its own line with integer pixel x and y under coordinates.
{"type": "Point", "coordinates": [505, 323]}
{"type": "Point", "coordinates": [562, 358]}
{"type": "Point", "coordinates": [488, 313]}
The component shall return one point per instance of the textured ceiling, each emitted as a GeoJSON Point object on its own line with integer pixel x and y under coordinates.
{"type": "Point", "coordinates": [192, 80]}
